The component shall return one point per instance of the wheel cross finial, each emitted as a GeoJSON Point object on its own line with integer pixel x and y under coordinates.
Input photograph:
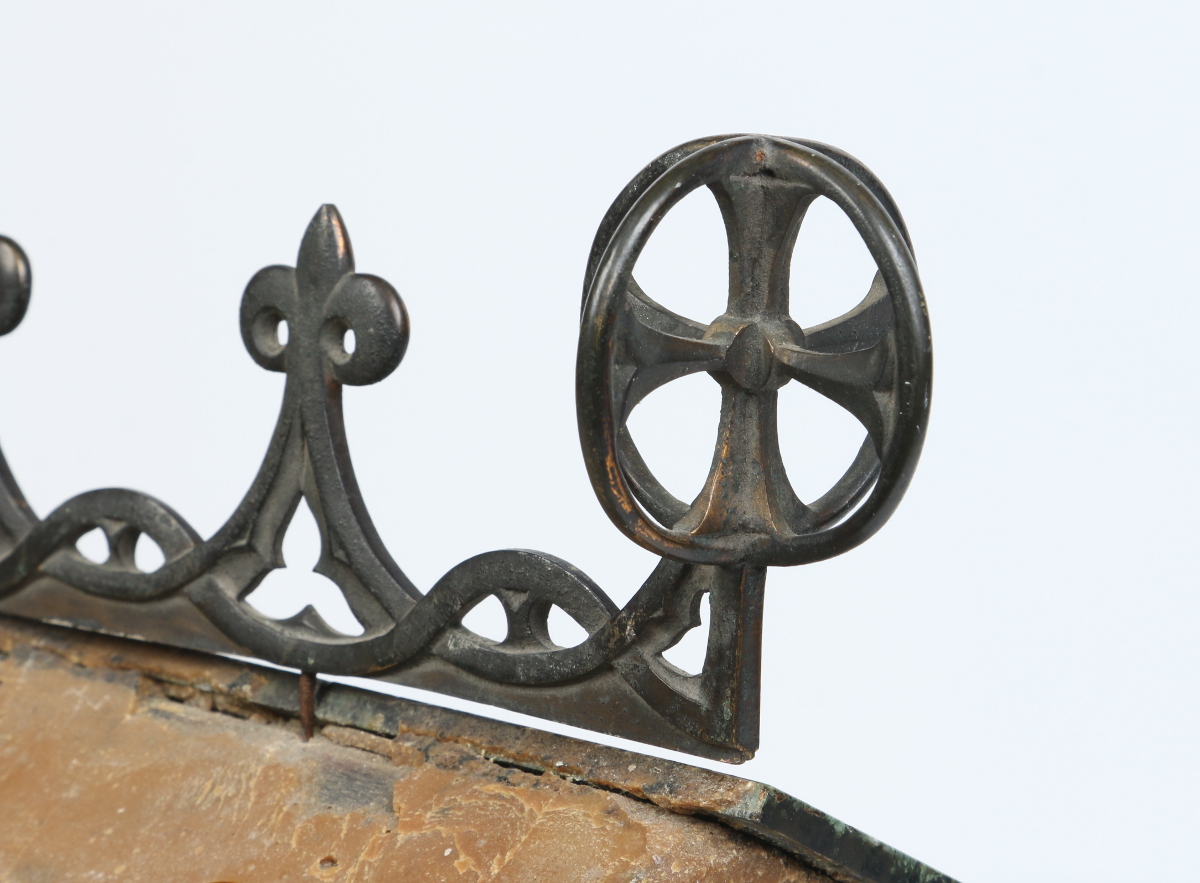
{"type": "Point", "coordinates": [875, 361]}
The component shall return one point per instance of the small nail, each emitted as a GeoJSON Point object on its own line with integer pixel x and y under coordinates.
{"type": "Point", "coordinates": [308, 703]}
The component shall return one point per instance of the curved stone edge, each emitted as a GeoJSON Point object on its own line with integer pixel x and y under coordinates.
{"type": "Point", "coordinates": [817, 839]}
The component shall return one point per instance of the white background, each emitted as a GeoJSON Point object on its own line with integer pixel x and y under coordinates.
{"type": "Point", "coordinates": [1003, 682]}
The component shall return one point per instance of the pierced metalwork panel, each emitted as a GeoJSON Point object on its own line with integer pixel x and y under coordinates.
{"type": "Point", "coordinates": [875, 362]}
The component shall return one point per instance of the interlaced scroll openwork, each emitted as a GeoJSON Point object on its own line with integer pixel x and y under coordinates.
{"type": "Point", "coordinates": [874, 361]}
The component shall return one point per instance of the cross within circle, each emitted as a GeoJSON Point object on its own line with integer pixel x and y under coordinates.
{"type": "Point", "coordinates": [874, 362]}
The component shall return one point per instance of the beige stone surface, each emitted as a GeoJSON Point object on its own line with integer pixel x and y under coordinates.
{"type": "Point", "coordinates": [112, 773]}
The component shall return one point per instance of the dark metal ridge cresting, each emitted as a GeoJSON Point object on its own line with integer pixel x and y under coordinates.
{"type": "Point", "coordinates": [875, 361]}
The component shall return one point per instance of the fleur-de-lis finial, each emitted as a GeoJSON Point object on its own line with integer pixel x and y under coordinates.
{"type": "Point", "coordinates": [322, 301]}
